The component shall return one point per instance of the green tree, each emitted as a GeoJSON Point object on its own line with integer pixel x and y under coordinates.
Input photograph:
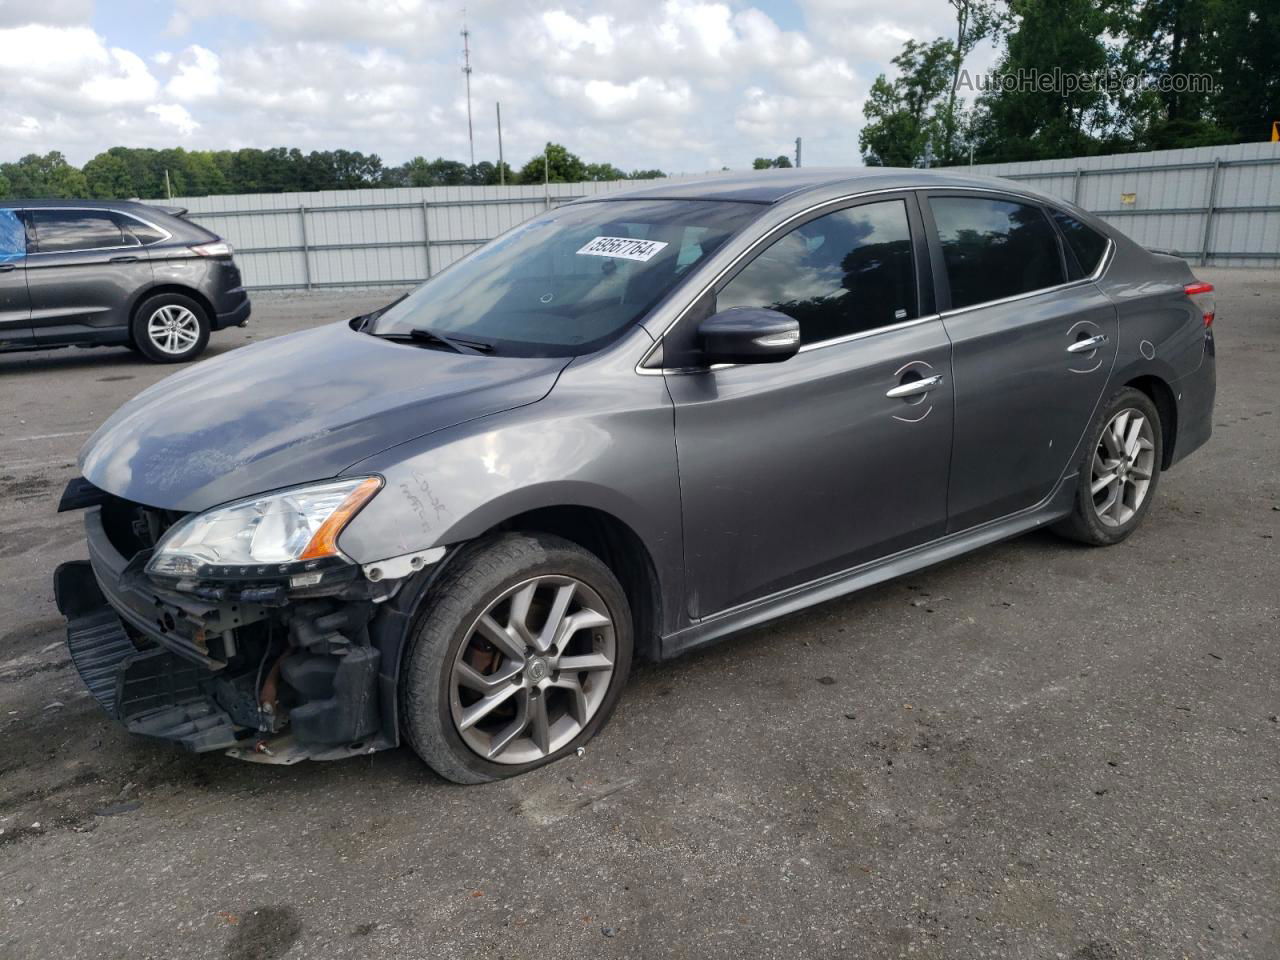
{"type": "Point", "coordinates": [654, 174]}
{"type": "Point", "coordinates": [1031, 122]}
{"type": "Point", "coordinates": [108, 178]}
{"type": "Point", "coordinates": [1242, 49]}
{"type": "Point", "coordinates": [903, 116]}
{"type": "Point", "coordinates": [4, 186]}
{"type": "Point", "coordinates": [975, 21]}
{"type": "Point", "coordinates": [44, 176]}
{"type": "Point", "coordinates": [604, 171]}
{"type": "Point", "coordinates": [770, 163]}
{"type": "Point", "coordinates": [556, 163]}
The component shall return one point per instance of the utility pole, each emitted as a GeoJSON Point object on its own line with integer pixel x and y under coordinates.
{"type": "Point", "coordinates": [466, 69]}
{"type": "Point", "coordinates": [502, 169]}
{"type": "Point", "coordinates": [168, 189]}
{"type": "Point", "coordinates": [797, 152]}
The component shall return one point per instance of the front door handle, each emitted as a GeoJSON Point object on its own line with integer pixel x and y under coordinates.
{"type": "Point", "coordinates": [6, 267]}
{"type": "Point", "coordinates": [913, 388]}
{"type": "Point", "coordinates": [124, 259]}
{"type": "Point", "coordinates": [1088, 345]}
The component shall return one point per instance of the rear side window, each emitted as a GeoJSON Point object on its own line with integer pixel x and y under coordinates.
{"type": "Point", "coordinates": [58, 230]}
{"type": "Point", "coordinates": [1084, 245]}
{"type": "Point", "coordinates": [995, 248]}
{"type": "Point", "coordinates": [142, 232]}
{"type": "Point", "coordinates": [847, 272]}
{"type": "Point", "coordinates": [13, 236]}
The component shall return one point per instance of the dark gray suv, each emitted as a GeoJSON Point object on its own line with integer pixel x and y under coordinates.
{"type": "Point", "coordinates": [86, 273]}
{"type": "Point", "coordinates": [628, 427]}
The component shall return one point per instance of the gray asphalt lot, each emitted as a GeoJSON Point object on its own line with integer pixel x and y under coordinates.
{"type": "Point", "coordinates": [1036, 751]}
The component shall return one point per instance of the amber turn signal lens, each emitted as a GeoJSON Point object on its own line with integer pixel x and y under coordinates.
{"type": "Point", "coordinates": [324, 543]}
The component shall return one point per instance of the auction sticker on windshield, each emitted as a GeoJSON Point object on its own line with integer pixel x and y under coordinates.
{"type": "Point", "coordinates": [624, 248]}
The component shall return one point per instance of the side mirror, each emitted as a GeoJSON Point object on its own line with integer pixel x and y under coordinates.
{"type": "Point", "coordinates": [748, 335]}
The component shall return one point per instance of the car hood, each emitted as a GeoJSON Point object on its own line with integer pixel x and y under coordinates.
{"type": "Point", "coordinates": [295, 409]}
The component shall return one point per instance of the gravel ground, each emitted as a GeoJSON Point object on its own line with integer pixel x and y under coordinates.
{"type": "Point", "coordinates": [1035, 751]}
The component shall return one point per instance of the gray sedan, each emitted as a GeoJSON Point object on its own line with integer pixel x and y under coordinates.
{"type": "Point", "coordinates": [628, 427]}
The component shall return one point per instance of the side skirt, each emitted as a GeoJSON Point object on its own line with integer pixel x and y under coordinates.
{"type": "Point", "coordinates": [1056, 506]}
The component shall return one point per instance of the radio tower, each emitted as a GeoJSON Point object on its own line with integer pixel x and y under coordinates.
{"type": "Point", "coordinates": [466, 70]}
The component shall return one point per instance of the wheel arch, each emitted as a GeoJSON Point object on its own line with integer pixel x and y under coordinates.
{"type": "Point", "coordinates": [1161, 394]}
{"type": "Point", "coordinates": [176, 288]}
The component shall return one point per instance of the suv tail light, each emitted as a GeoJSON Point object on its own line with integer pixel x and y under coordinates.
{"type": "Point", "coordinates": [220, 248]}
{"type": "Point", "coordinates": [1201, 295]}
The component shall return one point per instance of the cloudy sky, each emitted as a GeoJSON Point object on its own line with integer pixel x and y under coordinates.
{"type": "Point", "coordinates": [685, 85]}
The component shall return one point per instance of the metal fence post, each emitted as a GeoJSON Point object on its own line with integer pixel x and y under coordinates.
{"type": "Point", "coordinates": [1208, 211]}
{"type": "Point", "coordinates": [426, 233]}
{"type": "Point", "coordinates": [306, 247]}
{"type": "Point", "coordinates": [1075, 187]}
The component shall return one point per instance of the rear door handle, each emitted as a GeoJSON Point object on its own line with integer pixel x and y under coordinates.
{"type": "Point", "coordinates": [124, 259]}
{"type": "Point", "coordinates": [1089, 345]}
{"type": "Point", "coordinates": [6, 267]}
{"type": "Point", "coordinates": [913, 388]}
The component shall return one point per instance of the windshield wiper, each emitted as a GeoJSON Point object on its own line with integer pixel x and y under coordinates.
{"type": "Point", "coordinates": [431, 338]}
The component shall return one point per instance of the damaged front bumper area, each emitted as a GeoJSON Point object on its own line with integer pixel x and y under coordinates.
{"type": "Point", "coordinates": [259, 667]}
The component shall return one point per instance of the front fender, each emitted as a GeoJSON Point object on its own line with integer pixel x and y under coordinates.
{"type": "Point", "coordinates": [594, 442]}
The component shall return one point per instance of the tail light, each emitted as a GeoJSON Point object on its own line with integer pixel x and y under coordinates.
{"type": "Point", "coordinates": [220, 248]}
{"type": "Point", "coordinates": [1201, 295]}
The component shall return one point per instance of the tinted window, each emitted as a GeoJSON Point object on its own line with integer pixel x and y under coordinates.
{"type": "Point", "coordinates": [995, 248]}
{"type": "Point", "coordinates": [75, 230]}
{"type": "Point", "coordinates": [570, 280]}
{"type": "Point", "coordinates": [140, 231]}
{"type": "Point", "coordinates": [13, 236]}
{"type": "Point", "coordinates": [847, 272]}
{"type": "Point", "coordinates": [1084, 243]}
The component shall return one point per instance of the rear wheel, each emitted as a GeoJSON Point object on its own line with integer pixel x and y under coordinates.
{"type": "Point", "coordinates": [170, 328]}
{"type": "Point", "coordinates": [518, 659]}
{"type": "Point", "coordinates": [1119, 471]}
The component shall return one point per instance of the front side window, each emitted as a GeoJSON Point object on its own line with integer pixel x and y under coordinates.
{"type": "Point", "coordinates": [58, 230]}
{"type": "Point", "coordinates": [567, 282]}
{"type": "Point", "coordinates": [844, 273]}
{"type": "Point", "coordinates": [995, 248]}
{"type": "Point", "coordinates": [1085, 245]}
{"type": "Point", "coordinates": [13, 236]}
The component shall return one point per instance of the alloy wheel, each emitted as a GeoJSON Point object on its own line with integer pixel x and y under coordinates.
{"type": "Point", "coordinates": [1123, 465]}
{"type": "Point", "coordinates": [533, 670]}
{"type": "Point", "coordinates": [173, 329]}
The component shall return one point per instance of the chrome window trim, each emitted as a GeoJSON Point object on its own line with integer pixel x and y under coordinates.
{"type": "Point", "coordinates": [774, 231]}
{"type": "Point", "coordinates": [108, 210]}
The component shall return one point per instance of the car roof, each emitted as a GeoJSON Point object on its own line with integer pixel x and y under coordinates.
{"type": "Point", "coordinates": [772, 186]}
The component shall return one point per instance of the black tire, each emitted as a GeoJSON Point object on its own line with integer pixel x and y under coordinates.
{"type": "Point", "coordinates": [473, 581]}
{"type": "Point", "coordinates": [1084, 524]}
{"type": "Point", "coordinates": [156, 352]}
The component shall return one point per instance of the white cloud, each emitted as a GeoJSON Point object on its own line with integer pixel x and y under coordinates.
{"type": "Point", "coordinates": [198, 76]}
{"type": "Point", "coordinates": [174, 115]}
{"type": "Point", "coordinates": [16, 13]}
{"type": "Point", "coordinates": [680, 84]}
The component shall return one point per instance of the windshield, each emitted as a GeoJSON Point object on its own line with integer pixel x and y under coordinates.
{"type": "Point", "coordinates": [567, 282]}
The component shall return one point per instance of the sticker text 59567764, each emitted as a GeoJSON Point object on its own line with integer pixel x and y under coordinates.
{"type": "Point", "coordinates": [624, 248]}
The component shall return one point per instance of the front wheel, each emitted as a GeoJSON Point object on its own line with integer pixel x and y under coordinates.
{"type": "Point", "coordinates": [1119, 471]}
{"type": "Point", "coordinates": [518, 659]}
{"type": "Point", "coordinates": [170, 328]}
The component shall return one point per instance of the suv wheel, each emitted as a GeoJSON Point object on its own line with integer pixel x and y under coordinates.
{"type": "Point", "coordinates": [518, 658]}
{"type": "Point", "coordinates": [170, 328]}
{"type": "Point", "coordinates": [1118, 472]}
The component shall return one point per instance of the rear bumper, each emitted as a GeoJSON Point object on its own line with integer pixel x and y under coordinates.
{"type": "Point", "coordinates": [1195, 395]}
{"type": "Point", "coordinates": [235, 316]}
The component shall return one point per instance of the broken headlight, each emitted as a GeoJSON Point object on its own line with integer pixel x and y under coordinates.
{"type": "Point", "coordinates": [266, 534]}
